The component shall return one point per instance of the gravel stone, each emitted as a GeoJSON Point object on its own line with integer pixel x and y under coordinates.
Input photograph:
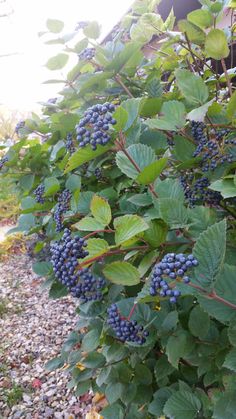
{"type": "Point", "coordinates": [33, 330]}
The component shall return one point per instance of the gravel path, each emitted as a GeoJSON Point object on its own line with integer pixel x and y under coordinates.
{"type": "Point", "coordinates": [32, 330]}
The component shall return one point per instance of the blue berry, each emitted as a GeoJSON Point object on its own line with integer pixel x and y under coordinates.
{"type": "Point", "coordinates": [62, 206]}
{"type": "Point", "coordinates": [38, 192]}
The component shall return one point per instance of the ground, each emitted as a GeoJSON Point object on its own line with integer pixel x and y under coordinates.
{"type": "Point", "coordinates": [33, 329]}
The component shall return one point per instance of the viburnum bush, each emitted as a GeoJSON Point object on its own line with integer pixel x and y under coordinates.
{"type": "Point", "coordinates": [129, 175]}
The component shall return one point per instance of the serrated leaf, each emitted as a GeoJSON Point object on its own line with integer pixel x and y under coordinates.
{"type": "Point", "coordinates": [194, 33]}
{"type": "Point", "coordinates": [173, 212]}
{"type": "Point", "coordinates": [101, 210]}
{"type": "Point", "coordinates": [89, 224]}
{"type": "Point", "coordinates": [216, 45]}
{"type": "Point", "coordinates": [121, 116]}
{"type": "Point", "coordinates": [52, 186]}
{"type": "Point", "coordinates": [209, 250]}
{"type": "Point", "coordinates": [154, 87]}
{"type": "Point", "coordinates": [84, 155]}
{"type": "Point", "coordinates": [230, 360]}
{"type": "Point", "coordinates": [152, 171]}
{"type": "Point", "coordinates": [192, 87]}
{"type": "Point", "coordinates": [156, 234]}
{"type": "Point", "coordinates": [226, 187]}
{"type": "Point", "coordinates": [202, 18]}
{"type": "Point", "coordinates": [225, 406]}
{"type": "Point", "coordinates": [182, 405]}
{"type": "Point", "coordinates": [141, 200]}
{"type": "Point", "coordinates": [96, 247]}
{"type": "Point", "coordinates": [199, 322]}
{"type": "Point", "coordinates": [57, 62]}
{"type": "Point", "coordinates": [54, 25]}
{"type": "Point", "coordinates": [173, 119]}
{"type": "Point", "coordinates": [176, 348]}
{"type": "Point", "coordinates": [127, 227]}
{"type": "Point", "coordinates": [141, 154]}
{"type": "Point", "coordinates": [122, 273]}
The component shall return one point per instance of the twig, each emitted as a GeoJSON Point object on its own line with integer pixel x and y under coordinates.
{"type": "Point", "coordinates": [120, 82]}
{"type": "Point", "coordinates": [226, 76]}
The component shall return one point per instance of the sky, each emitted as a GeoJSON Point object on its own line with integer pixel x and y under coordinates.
{"type": "Point", "coordinates": [23, 70]}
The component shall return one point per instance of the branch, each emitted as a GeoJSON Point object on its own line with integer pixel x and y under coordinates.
{"type": "Point", "coordinates": [212, 295]}
{"type": "Point", "coordinates": [226, 76]}
{"type": "Point", "coordinates": [98, 231]}
{"type": "Point", "coordinates": [110, 253]}
{"type": "Point", "coordinates": [120, 82]}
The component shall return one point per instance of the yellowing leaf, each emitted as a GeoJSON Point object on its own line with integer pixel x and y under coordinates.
{"type": "Point", "coordinates": [101, 210]}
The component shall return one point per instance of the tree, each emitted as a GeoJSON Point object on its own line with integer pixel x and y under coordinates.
{"type": "Point", "coordinates": [132, 181]}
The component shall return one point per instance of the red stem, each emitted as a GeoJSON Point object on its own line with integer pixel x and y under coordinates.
{"type": "Point", "coordinates": [213, 296]}
{"type": "Point", "coordinates": [132, 311]}
{"type": "Point", "coordinates": [110, 253]}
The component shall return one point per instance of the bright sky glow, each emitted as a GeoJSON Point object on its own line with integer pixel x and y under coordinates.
{"type": "Point", "coordinates": [22, 74]}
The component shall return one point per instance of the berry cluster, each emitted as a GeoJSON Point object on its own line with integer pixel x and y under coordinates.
{"type": "Point", "coordinates": [63, 205]}
{"type": "Point", "coordinates": [64, 257]}
{"type": "Point", "coordinates": [69, 144]}
{"type": "Point", "coordinates": [3, 160]}
{"type": "Point", "coordinates": [93, 128]}
{"type": "Point", "coordinates": [211, 146]}
{"type": "Point", "coordinates": [172, 266]}
{"type": "Point", "coordinates": [197, 192]}
{"type": "Point", "coordinates": [87, 54]}
{"type": "Point", "coordinates": [126, 330]}
{"type": "Point", "coordinates": [89, 287]}
{"type": "Point", "coordinates": [38, 192]}
{"type": "Point", "coordinates": [19, 126]}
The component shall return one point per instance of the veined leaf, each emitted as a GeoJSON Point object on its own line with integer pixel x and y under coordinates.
{"type": "Point", "coordinates": [101, 210]}
{"type": "Point", "coordinates": [192, 87]}
{"type": "Point", "coordinates": [173, 119]}
{"type": "Point", "coordinates": [89, 224]}
{"type": "Point", "coordinates": [127, 227]}
{"type": "Point", "coordinates": [122, 273]}
{"type": "Point", "coordinates": [141, 155]}
{"type": "Point", "coordinates": [84, 155]}
{"type": "Point", "coordinates": [152, 171]}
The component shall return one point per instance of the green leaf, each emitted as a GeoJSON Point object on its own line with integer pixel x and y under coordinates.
{"type": "Point", "coordinates": [154, 88]}
{"type": "Point", "coordinates": [89, 224]}
{"type": "Point", "coordinates": [94, 360]}
{"type": "Point", "coordinates": [54, 25]}
{"type": "Point", "coordinates": [226, 187]}
{"type": "Point", "coordinates": [127, 227]}
{"type": "Point", "coordinates": [52, 186]}
{"type": "Point", "coordinates": [121, 116]}
{"type": "Point", "coordinates": [209, 250]}
{"type": "Point", "coordinates": [199, 114]}
{"type": "Point", "coordinates": [152, 171]}
{"type": "Point", "coordinates": [73, 182]}
{"type": "Point", "coordinates": [232, 332]}
{"type": "Point", "coordinates": [141, 154]}
{"type": "Point", "coordinates": [194, 33]}
{"type": "Point", "coordinates": [84, 155]}
{"type": "Point", "coordinates": [216, 45]}
{"type": "Point", "coordinates": [225, 406]}
{"type": "Point", "coordinates": [163, 368]}
{"type": "Point", "coordinates": [114, 391]}
{"type": "Point", "coordinates": [202, 18]}
{"type": "Point", "coordinates": [147, 262]}
{"type": "Point", "coordinates": [176, 347]}
{"type": "Point", "coordinates": [142, 374]}
{"type": "Point", "coordinates": [199, 322]}
{"type": "Point", "coordinates": [96, 247]}
{"type": "Point", "coordinates": [92, 30]}
{"type": "Point", "coordinates": [230, 360]}
{"type": "Point", "coordinates": [101, 210]}
{"type": "Point", "coordinates": [156, 234]}
{"type": "Point", "coordinates": [231, 107]}
{"type": "Point", "coordinates": [182, 405]}
{"type": "Point", "coordinates": [122, 273]}
{"type": "Point", "coordinates": [173, 118]}
{"type": "Point", "coordinates": [57, 290]}
{"type": "Point", "coordinates": [173, 212]}
{"type": "Point", "coordinates": [91, 340]}
{"type": "Point", "coordinates": [141, 200]}
{"type": "Point", "coordinates": [150, 106]}
{"type": "Point", "coordinates": [159, 399]}
{"type": "Point", "coordinates": [192, 87]}
{"type": "Point", "coordinates": [169, 188]}
{"type": "Point", "coordinates": [54, 364]}
{"type": "Point", "coordinates": [42, 268]}
{"type": "Point", "coordinates": [57, 62]}
{"type": "Point", "coordinates": [183, 149]}
{"type": "Point", "coordinates": [132, 107]}
{"type": "Point", "coordinates": [113, 411]}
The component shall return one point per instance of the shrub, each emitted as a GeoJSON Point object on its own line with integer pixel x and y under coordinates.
{"type": "Point", "coordinates": [136, 162]}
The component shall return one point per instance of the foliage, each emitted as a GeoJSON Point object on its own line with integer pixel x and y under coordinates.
{"type": "Point", "coordinates": [134, 211]}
